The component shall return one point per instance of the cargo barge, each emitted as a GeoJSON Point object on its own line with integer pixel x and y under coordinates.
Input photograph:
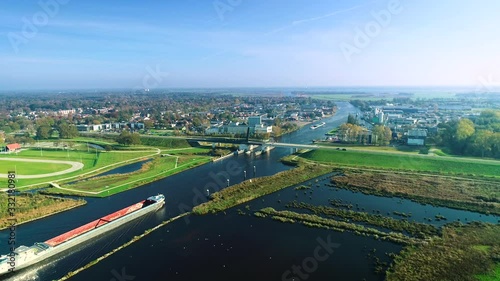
{"type": "Point", "coordinates": [24, 256]}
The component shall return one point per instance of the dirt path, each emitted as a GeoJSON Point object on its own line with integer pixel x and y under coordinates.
{"type": "Point", "coordinates": [75, 166]}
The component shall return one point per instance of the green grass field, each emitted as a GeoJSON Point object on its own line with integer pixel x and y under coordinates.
{"type": "Point", "coordinates": [397, 149]}
{"type": "Point", "coordinates": [404, 162]}
{"type": "Point", "coordinates": [112, 157]}
{"type": "Point", "coordinates": [191, 150]}
{"type": "Point", "coordinates": [84, 140]}
{"type": "Point", "coordinates": [159, 168]}
{"type": "Point", "coordinates": [91, 160]}
{"type": "Point", "coordinates": [31, 168]}
{"type": "Point", "coordinates": [492, 276]}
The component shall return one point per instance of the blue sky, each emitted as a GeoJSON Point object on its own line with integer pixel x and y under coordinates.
{"type": "Point", "coordinates": [248, 43]}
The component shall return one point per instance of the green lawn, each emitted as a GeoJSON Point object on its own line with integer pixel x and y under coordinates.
{"type": "Point", "coordinates": [404, 162]}
{"type": "Point", "coordinates": [159, 168]}
{"type": "Point", "coordinates": [31, 168]}
{"type": "Point", "coordinates": [492, 276]}
{"type": "Point", "coordinates": [191, 150]}
{"type": "Point", "coordinates": [91, 160]}
{"type": "Point", "coordinates": [395, 149]}
{"type": "Point", "coordinates": [100, 142]}
{"type": "Point", "coordinates": [112, 157]}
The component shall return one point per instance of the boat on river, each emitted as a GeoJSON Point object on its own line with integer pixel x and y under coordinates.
{"type": "Point", "coordinates": [314, 127]}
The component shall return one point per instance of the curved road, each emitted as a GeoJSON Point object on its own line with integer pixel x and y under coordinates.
{"type": "Point", "coordinates": [75, 166]}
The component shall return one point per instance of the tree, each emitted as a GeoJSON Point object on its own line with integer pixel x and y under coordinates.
{"type": "Point", "coordinates": [483, 142]}
{"type": "Point", "coordinates": [351, 119]}
{"type": "Point", "coordinates": [14, 126]}
{"type": "Point", "coordinates": [381, 135]}
{"type": "Point", "coordinates": [43, 132]}
{"type": "Point", "coordinates": [127, 138]}
{"type": "Point", "coordinates": [276, 131]}
{"type": "Point", "coordinates": [277, 121]}
{"type": "Point", "coordinates": [45, 121]}
{"type": "Point", "coordinates": [495, 147]}
{"type": "Point", "coordinates": [10, 139]}
{"type": "Point", "coordinates": [465, 129]}
{"type": "Point", "coordinates": [148, 124]}
{"type": "Point", "coordinates": [66, 131]}
{"type": "Point", "coordinates": [350, 133]}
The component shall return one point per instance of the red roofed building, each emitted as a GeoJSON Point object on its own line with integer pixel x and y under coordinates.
{"type": "Point", "coordinates": [13, 147]}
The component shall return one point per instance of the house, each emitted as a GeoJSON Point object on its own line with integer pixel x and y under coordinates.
{"type": "Point", "coordinates": [416, 137]}
{"type": "Point", "coordinates": [13, 147]}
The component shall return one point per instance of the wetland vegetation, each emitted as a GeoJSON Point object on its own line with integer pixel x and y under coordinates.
{"type": "Point", "coordinates": [254, 188]}
{"type": "Point", "coordinates": [419, 230]}
{"type": "Point", "coordinates": [477, 195]}
{"type": "Point", "coordinates": [33, 206]}
{"type": "Point", "coordinates": [337, 225]}
{"type": "Point", "coordinates": [470, 252]}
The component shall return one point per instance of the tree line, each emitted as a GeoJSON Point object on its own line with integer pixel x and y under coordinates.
{"type": "Point", "coordinates": [353, 133]}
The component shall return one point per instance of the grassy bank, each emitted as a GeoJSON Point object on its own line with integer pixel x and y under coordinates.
{"type": "Point", "coordinates": [419, 230]}
{"type": "Point", "coordinates": [341, 226]}
{"type": "Point", "coordinates": [158, 168]}
{"type": "Point", "coordinates": [33, 206]}
{"type": "Point", "coordinates": [464, 253]}
{"type": "Point", "coordinates": [474, 195]}
{"type": "Point", "coordinates": [408, 162]}
{"type": "Point", "coordinates": [254, 188]}
{"type": "Point", "coordinates": [91, 160]}
{"type": "Point", "coordinates": [493, 275]}
{"type": "Point", "coordinates": [164, 142]}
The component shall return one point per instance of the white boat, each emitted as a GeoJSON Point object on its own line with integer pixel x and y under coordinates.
{"type": "Point", "coordinates": [314, 127]}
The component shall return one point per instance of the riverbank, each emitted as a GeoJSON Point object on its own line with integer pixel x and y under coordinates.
{"type": "Point", "coordinates": [30, 207]}
{"type": "Point", "coordinates": [254, 188]}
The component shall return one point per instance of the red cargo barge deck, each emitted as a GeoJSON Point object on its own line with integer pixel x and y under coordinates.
{"type": "Point", "coordinates": [94, 224]}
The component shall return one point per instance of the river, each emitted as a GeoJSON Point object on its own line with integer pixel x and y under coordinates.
{"type": "Point", "coordinates": [225, 246]}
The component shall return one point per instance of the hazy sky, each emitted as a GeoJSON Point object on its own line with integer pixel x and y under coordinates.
{"type": "Point", "coordinates": [233, 43]}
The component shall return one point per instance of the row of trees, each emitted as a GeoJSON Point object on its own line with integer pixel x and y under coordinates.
{"type": "Point", "coordinates": [128, 138]}
{"type": "Point", "coordinates": [348, 132]}
{"type": "Point", "coordinates": [65, 130]}
{"type": "Point", "coordinates": [480, 137]}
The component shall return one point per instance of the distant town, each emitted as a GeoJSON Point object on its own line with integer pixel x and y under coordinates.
{"type": "Point", "coordinates": [380, 120]}
{"type": "Point", "coordinates": [28, 118]}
